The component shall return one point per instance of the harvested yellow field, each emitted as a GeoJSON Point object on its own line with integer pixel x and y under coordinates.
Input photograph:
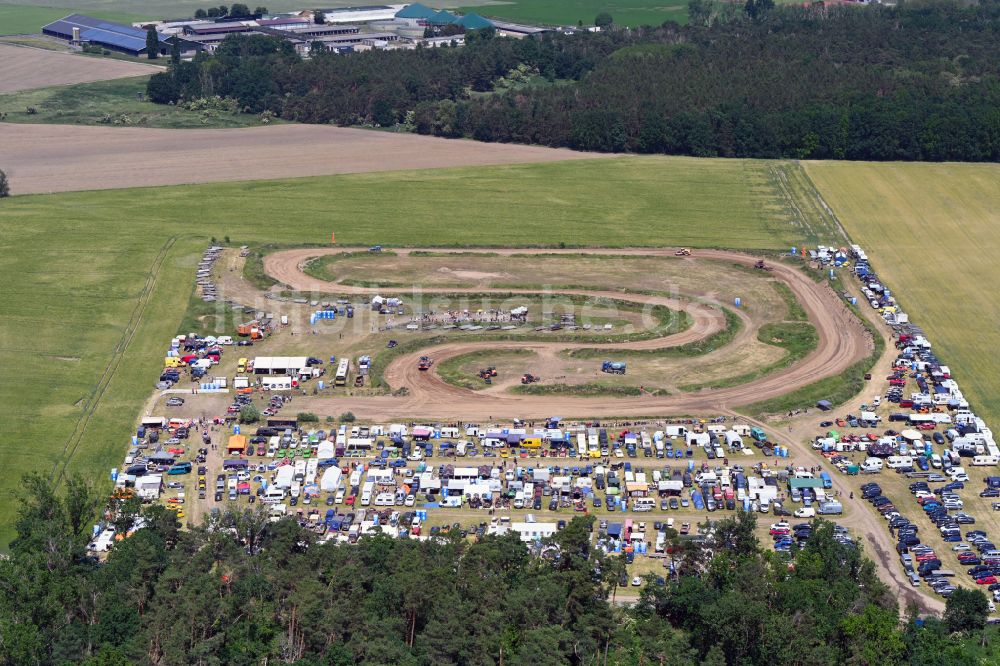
{"type": "Point", "coordinates": [931, 232]}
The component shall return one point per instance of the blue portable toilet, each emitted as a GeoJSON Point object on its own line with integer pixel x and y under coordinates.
{"type": "Point", "coordinates": [236, 429]}
{"type": "Point", "coordinates": [793, 250]}
{"type": "Point", "coordinates": [831, 273]}
{"type": "Point", "coordinates": [738, 301]}
{"type": "Point", "coordinates": [114, 473]}
{"type": "Point", "coordinates": [321, 385]}
{"type": "Point", "coordinates": [135, 440]}
{"type": "Point", "coordinates": [854, 300]}
{"type": "Point", "coordinates": [690, 465]}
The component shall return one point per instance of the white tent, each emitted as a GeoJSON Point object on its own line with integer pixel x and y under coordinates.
{"type": "Point", "coordinates": [325, 450]}
{"type": "Point", "coordinates": [331, 479]}
{"type": "Point", "coordinates": [284, 477]}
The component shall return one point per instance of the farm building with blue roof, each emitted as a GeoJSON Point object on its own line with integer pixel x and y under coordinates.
{"type": "Point", "coordinates": [112, 36]}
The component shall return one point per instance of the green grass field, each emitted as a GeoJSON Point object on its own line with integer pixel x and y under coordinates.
{"type": "Point", "coordinates": [28, 18]}
{"type": "Point", "coordinates": [96, 283]}
{"type": "Point", "coordinates": [114, 102]}
{"type": "Point", "coordinates": [930, 231]}
{"type": "Point", "coordinates": [571, 12]}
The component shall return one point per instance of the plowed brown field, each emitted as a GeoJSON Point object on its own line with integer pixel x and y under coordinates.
{"type": "Point", "coordinates": [23, 68]}
{"type": "Point", "coordinates": [61, 158]}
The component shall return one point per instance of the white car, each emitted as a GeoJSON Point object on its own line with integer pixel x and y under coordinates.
{"type": "Point", "coordinates": [410, 500]}
{"type": "Point", "coordinates": [636, 581]}
{"type": "Point", "coordinates": [961, 547]}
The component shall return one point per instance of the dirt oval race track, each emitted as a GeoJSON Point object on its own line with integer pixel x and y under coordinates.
{"type": "Point", "coordinates": [60, 158]}
{"type": "Point", "coordinates": [842, 342]}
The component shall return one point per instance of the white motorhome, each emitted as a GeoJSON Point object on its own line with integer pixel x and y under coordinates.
{"type": "Point", "coordinates": [899, 462]}
{"type": "Point", "coordinates": [872, 465]}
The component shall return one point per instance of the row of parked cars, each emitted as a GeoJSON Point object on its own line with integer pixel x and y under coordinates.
{"type": "Point", "coordinates": [942, 506]}
{"type": "Point", "coordinates": [785, 535]}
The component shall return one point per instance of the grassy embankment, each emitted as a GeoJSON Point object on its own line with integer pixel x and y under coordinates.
{"type": "Point", "coordinates": [119, 102]}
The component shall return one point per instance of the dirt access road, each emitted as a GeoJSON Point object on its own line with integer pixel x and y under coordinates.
{"type": "Point", "coordinates": [26, 68]}
{"type": "Point", "coordinates": [60, 158]}
{"type": "Point", "coordinates": [842, 341]}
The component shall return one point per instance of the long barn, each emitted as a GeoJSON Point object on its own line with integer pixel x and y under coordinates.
{"type": "Point", "coordinates": [81, 29]}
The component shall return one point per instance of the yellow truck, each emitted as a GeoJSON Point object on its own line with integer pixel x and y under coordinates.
{"type": "Point", "coordinates": [242, 365]}
{"type": "Point", "coordinates": [172, 362]}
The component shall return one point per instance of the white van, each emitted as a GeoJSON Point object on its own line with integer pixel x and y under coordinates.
{"type": "Point", "coordinates": [224, 340]}
{"type": "Point", "coordinates": [273, 495]}
{"type": "Point", "coordinates": [984, 461]}
{"type": "Point", "coordinates": [339, 499]}
{"type": "Point", "coordinates": [805, 512]}
{"type": "Point", "coordinates": [936, 461]}
{"type": "Point", "coordinates": [519, 500]}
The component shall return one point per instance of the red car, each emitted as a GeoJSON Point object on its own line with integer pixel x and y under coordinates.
{"type": "Point", "coordinates": [988, 580]}
{"type": "Point", "coordinates": [349, 501]}
{"type": "Point", "coordinates": [926, 426]}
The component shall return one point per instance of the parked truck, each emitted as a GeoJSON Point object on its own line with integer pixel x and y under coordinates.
{"type": "Point", "coordinates": [613, 367]}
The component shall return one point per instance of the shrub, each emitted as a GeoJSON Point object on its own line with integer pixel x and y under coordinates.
{"type": "Point", "coordinates": [249, 414]}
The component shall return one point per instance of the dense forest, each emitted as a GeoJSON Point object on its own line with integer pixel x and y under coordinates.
{"type": "Point", "coordinates": [244, 590]}
{"type": "Point", "coordinates": [913, 82]}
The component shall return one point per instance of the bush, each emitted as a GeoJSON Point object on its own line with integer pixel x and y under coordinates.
{"type": "Point", "coordinates": [307, 417]}
{"type": "Point", "coordinates": [347, 417]}
{"type": "Point", "coordinates": [249, 414]}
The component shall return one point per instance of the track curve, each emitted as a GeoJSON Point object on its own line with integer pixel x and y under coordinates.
{"type": "Point", "coordinates": [841, 342]}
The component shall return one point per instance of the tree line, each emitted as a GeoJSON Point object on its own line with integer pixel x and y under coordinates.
{"type": "Point", "coordinates": [913, 82]}
{"type": "Point", "coordinates": [241, 589]}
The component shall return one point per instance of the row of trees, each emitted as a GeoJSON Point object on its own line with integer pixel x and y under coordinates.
{"type": "Point", "coordinates": [914, 82]}
{"type": "Point", "coordinates": [238, 10]}
{"type": "Point", "coordinates": [244, 590]}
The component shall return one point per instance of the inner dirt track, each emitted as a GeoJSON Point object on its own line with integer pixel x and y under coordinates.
{"type": "Point", "coordinates": [842, 341]}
